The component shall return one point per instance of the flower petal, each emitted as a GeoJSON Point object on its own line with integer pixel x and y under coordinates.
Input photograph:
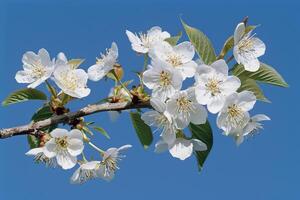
{"type": "Point", "coordinates": [181, 149]}
{"type": "Point", "coordinates": [66, 161]}
{"type": "Point", "coordinates": [59, 132]}
{"type": "Point", "coordinates": [75, 147]}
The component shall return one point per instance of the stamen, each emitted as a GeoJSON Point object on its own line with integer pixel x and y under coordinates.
{"type": "Point", "coordinates": [165, 78]}
{"type": "Point", "coordinates": [174, 60]}
{"type": "Point", "coordinates": [235, 116]}
{"type": "Point", "coordinates": [213, 86]}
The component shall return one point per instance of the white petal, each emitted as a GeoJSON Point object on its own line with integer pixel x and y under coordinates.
{"type": "Point", "coordinates": [158, 104]}
{"type": "Point", "coordinates": [101, 173]}
{"type": "Point", "coordinates": [202, 96]}
{"type": "Point", "coordinates": [199, 115]}
{"type": "Point", "coordinates": [220, 66]}
{"type": "Point", "coordinates": [49, 149]}
{"type": "Point", "coordinates": [66, 161]}
{"type": "Point", "coordinates": [35, 151]}
{"type": "Point", "coordinates": [59, 132]}
{"type": "Point", "coordinates": [161, 146]}
{"type": "Point", "coordinates": [124, 147]}
{"type": "Point", "coordinates": [75, 134]}
{"type": "Point", "coordinates": [44, 57]}
{"type": "Point", "coordinates": [252, 65]}
{"type": "Point", "coordinates": [24, 77]}
{"type": "Point", "coordinates": [230, 85]}
{"type": "Point", "coordinates": [75, 177]}
{"type": "Point", "coordinates": [259, 47]}
{"type": "Point", "coordinates": [182, 149]}
{"type": "Point", "coordinates": [199, 145]}
{"type": "Point", "coordinates": [260, 117]}
{"type": "Point", "coordinates": [75, 147]}
{"type": "Point", "coordinates": [90, 165]}
{"type": "Point", "coordinates": [29, 58]}
{"type": "Point", "coordinates": [186, 51]}
{"type": "Point", "coordinates": [169, 135]}
{"type": "Point", "coordinates": [247, 100]}
{"type": "Point", "coordinates": [150, 118]}
{"type": "Point", "coordinates": [216, 104]}
{"type": "Point", "coordinates": [188, 69]}
{"type": "Point", "coordinates": [97, 72]}
{"type": "Point", "coordinates": [239, 32]}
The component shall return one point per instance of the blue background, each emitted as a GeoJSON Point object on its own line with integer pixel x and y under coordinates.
{"type": "Point", "coordinates": [266, 167]}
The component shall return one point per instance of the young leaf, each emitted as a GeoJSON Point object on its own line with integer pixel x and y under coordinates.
{"type": "Point", "coordinates": [33, 141]}
{"type": "Point", "coordinates": [202, 44]}
{"type": "Point", "coordinates": [265, 74]}
{"type": "Point", "coordinates": [202, 132]}
{"type": "Point", "coordinates": [251, 85]}
{"type": "Point", "coordinates": [174, 40]}
{"type": "Point", "coordinates": [42, 114]}
{"type": "Point", "coordinates": [75, 63]}
{"type": "Point", "coordinates": [24, 95]}
{"type": "Point", "coordinates": [142, 130]}
{"type": "Point", "coordinates": [102, 131]}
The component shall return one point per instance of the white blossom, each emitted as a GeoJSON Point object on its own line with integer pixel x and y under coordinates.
{"type": "Point", "coordinates": [247, 48]}
{"type": "Point", "coordinates": [213, 85]}
{"type": "Point", "coordinates": [161, 119]}
{"type": "Point", "coordinates": [252, 127]}
{"type": "Point", "coordinates": [37, 68]}
{"type": "Point", "coordinates": [104, 64]}
{"type": "Point", "coordinates": [143, 43]}
{"type": "Point", "coordinates": [87, 171]}
{"type": "Point", "coordinates": [65, 146]}
{"type": "Point", "coordinates": [184, 108]}
{"type": "Point", "coordinates": [234, 116]}
{"type": "Point", "coordinates": [109, 164]}
{"type": "Point", "coordinates": [162, 79]}
{"type": "Point", "coordinates": [40, 157]}
{"type": "Point", "coordinates": [72, 82]}
{"type": "Point", "coordinates": [179, 56]}
{"type": "Point", "coordinates": [181, 148]}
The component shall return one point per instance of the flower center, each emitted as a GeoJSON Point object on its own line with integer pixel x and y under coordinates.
{"type": "Point", "coordinates": [62, 142]}
{"type": "Point", "coordinates": [38, 69]}
{"type": "Point", "coordinates": [235, 115]}
{"type": "Point", "coordinates": [69, 80]}
{"type": "Point", "coordinates": [110, 165]}
{"type": "Point", "coordinates": [165, 78]}
{"type": "Point", "coordinates": [213, 87]}
{"type": "Point", "coordinates": [174, 60]}
{"type": "Point", "coordinates": [145, 40]}
{"type": "Point", "coordinates": [184, 104]}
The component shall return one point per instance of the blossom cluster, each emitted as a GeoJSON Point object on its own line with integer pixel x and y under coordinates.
{"type": "Point", "coordinates": [175, 108]}
{"type": "Point", "coordinates": [180, 89]}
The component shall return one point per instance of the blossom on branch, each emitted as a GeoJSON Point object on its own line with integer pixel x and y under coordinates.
{"type": "Point", "coordinates": [37, 68]}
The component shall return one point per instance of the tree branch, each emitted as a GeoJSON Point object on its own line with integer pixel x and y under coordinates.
{"type": "Point", "coordinates": [34, 127]}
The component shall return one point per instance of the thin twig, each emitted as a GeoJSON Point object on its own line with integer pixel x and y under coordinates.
{"type": "Point", "coordinates": [34, 127]}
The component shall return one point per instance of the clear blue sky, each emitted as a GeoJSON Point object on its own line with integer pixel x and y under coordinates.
{"type": "Point", "coordinates": [263, 168]}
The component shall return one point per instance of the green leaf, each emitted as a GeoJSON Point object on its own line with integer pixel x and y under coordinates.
{"type": "Point", "coordinates": [174, 40]}
{"type": "Point", "coordinates": [33, 141]}
{"type": "Point", "coordinates": [202, 132]}
{"type": "Point", "coordinates": [265, 74]}
{"type": "Point", "coordinates": [251, 85]}
{"type": "Point", "coordinates": [143, 131]}
{"type": "Point", "coordinates": [75, 63]}
{"type": "Point", "coordinates": [42, 114]}
{"type": "Point", "coordinates": [229, 43]}
{"type": "Point", "coordinates": [202, 44]}
{"type": "Point", "coordinates": [24, 95]}
{"type": "Point", "coordinates": [102, 131]}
